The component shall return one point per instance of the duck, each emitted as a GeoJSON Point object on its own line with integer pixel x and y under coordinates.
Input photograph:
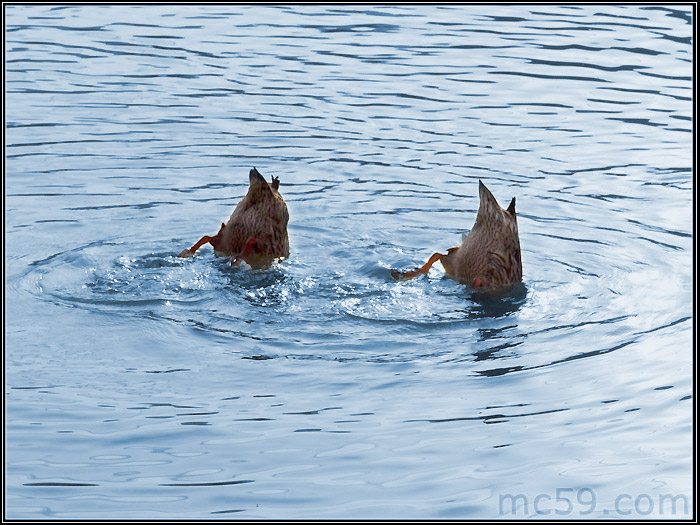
{"type": "Point", "coordinates": [489, 257]}
{"type": "Point", "coordinates": [256, 232]}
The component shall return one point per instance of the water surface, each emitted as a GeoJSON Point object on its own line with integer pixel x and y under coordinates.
{"type": "Point", "coordinates": [140, 385]}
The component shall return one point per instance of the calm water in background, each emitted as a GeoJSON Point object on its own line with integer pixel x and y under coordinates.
{"type": "Point", "coordinates": [138, 384]}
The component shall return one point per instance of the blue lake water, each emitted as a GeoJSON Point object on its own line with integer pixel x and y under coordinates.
{"type": "Point", "coordinates": [140, 385]}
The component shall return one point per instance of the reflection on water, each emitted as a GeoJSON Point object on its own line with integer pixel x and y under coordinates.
{"type": "Point", "coordinates": [142, 385]}
{"type": "Point", "coordinates": [502, 303]}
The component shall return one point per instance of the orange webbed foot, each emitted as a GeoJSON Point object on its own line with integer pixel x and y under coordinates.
{"type": "Point", "coordinates": [423, 270]}
{"type": "Point", "coordinates": [190, 251]}
{"type": "Point", "coordinates": [407, 276]}
{"type": "Point", "coordinates": [246, 251]}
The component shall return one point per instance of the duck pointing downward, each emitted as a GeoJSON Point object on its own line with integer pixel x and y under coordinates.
{"type": "Point", "coordinates": [256, 232]}
{"type": "Point", "coordinates": [489, 257]}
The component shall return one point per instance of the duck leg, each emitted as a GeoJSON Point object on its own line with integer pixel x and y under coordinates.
{"type": "Point", "coordinates": [246, 251]}
{"type": "Point", "coordinates": [214, 241]}
{"type": "Point", "coordinates": [405, 276]}
{"type": "Point", "coordinates": [190, 251]}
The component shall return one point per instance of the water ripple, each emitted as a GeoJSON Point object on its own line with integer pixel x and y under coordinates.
{"type": "Point", "coordinates": [169, 383]}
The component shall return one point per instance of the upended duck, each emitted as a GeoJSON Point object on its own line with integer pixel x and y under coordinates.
{"type": "Point", "coordinates": [256, 232]}
{"type": "Point", "coordinates": [489, 257]}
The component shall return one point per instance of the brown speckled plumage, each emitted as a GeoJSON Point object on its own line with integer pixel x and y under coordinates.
{"type": "Point", "coordinates": [256, 232]}
{"type": "Point", "coordinates": [489, 257]}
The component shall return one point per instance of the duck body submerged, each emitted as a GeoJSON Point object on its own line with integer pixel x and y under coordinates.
{"type": "Point", "coordinates": [489, 257]}
{"type": "Point", "coordinates": [256, 232]}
